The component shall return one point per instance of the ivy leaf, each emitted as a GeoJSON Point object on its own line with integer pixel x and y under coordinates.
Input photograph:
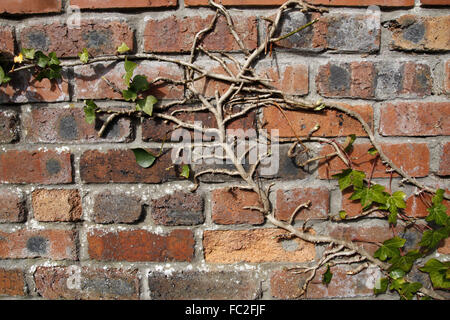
{"type": "Point", "coordinates": [28, 53]}
{"type": "Point", "coordinates": [42, 59]}
{"type": "Point", "coordinates": [393, 203]}
{"type": "Point", "coordinates": [409, 289]}
{"type": "Point", "coordinates": [3, 77]}
{"type": "Point", "coordinates": [84, 56]}
{"type": "Point", "coordinates": [405, 262]}
{"type": "Point", "coordinates": [326, 278]}
{"type": "Point", "coordinates": [390, 248]}
{"type": "Point", "coordinates": [438, 273]}
{"type": "Point", "coordinates": [342, 214]}
{"type": "Point", "coordinates": [146, 104]}
{"type": "Point", "coordinates": [372, 151]}
{"type": "Point", "coordinates": [397, 274]}
{"type": "Point", "coordinates": [431, 238]}
{"type": "Point", "coordinates": [437, 213]}
{"type": "Point", "coordinates": [143, 158]}
{"type": "Point", "coordinates": [129, 69]}
{"type": "Point", "coordinates": [366, 195]}
{"type": "Point", "coordinates": [139, 83]}
{"type": "Point", "coordinates": [52, 72]}
{"type": "Point", "coordinates": [129, 95]}
{"type": "Point", "coordinates": [89, 111]}
{"type": "Point", "coordinates": [123, 48]}
{"type": "Point", "coordinates": [185, 171]}
{"type": "Point", "coordinates": [381, 286]}
{"type": "Point", "coordinates": [349, 142]}
{"type": "Point", "coordinates": [53, 59]}
{"type": "Point", "coordinates": [349, 177]}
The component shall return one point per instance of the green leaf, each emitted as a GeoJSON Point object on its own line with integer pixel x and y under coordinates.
{"type": "Point", "coordinates": [28, 53]}
{"type": "Point", "coordinates": [123, 48]}
{"type": "Point", "coordinates": [397, 274]}
{"type": "Point", "coordinates": [129, 95]}
{"type": "Point", "coordinates": [89, 111]}
{"type": "Point", "coordinates": [53, 59]}
{"type": "Point", "coordinates": [349, 142]}
{"type": "Point", "coordinates": [143, 158]}
{"type": "Point", "coordinates": [438, 214]}
{"type": "Point", "coordinates": [146, 104]}
{"type": "Point", "coordinates": [129, 69]}
{"type": "Point", "coordinates": [390, 248]}
{"type": "Point", "coordinates": [326, 278]}
{"type": "Point", "coordinates": [381, 286]}
{"type": "Point", "coordinates": [3, 77]}
{"type": "Point", "coordinates": [84, 56]}
{"type": "Point", "coordinates": [372, 151]}
{"type": "Point", "coordinates": [342, 214]}
{"type": "Point", "coordinates": [409, 289]}
{"type": "Point", "coordinates": [349, 177]}
{"type": "Point", "coordinates": [185, 171]}
{"type": "Point", "coordinates": [139, 83]}
{"type": "Point", "coordinates": [52, 72]}
{"type": "Point", "coordinates": [438, 273]}
{"type": "Point", "coordinates": [432, 238]}
{"type": "Point", "coordinates": [42, 59]}
{"type": "Point", "coordinates": [367, 196]}
{"type": "Point", "coordinates": [405, 262]}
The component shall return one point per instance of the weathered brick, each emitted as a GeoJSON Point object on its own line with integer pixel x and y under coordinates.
{"type": "Point", "coordinates": [447, 77]}
{"type": "Point", "coordinates": [99, 37]}
{"type": "Point", "coordinates": [254, 246]}
{"type": "Point", "coordinates": [178, 209]}
{"type": "Point", "coordinates": [12, 282]}
{"type": "Point", "coordinates": [370, 80]}
{"type": "Point", "coordinates": [420, 33]}
{"type": "Point", "coordinates": [212, 285]}
{"type": "Point", "coordinates": [435, 2]}
{"type": "Point", "coordinates": [193, 3]}
{"type": "Point", "coordinates": [337, 32]}
{"type": "Point", "coordinates": [43, 167]}
{"type": "Point", "coordinates": [228, 206]}
{"type": "Point", "coordinates": [413, 158]}
{"type": "Point", "coordinates": [12, 206]}
{"type": "Point", "coordinates": [416, 206]}
{"type": "Point", "coordinates": [125, 4]}
{"type": "Point", "coordinates": [116, 208]}
{"type": "Point", "coordinates": [291, 79]}
{"type": "Point", "coordinates": [56, 205]}
{"type": "Point", "coordinates": [415, 119]}
{"type": "Point", "coordinates": [444, 164]}
{"type": "Point", "coordinates": [285, 284]}
{"type": "Point", "coordinates": [90, 85]}
{"type": "Point", "coordinates": [141, 245]}
{"type": "Point", "coordinates": [288, 200]}
{"type": "Point", "coordinates": [364, 3]}
{"type": "Point", "coordinates": [30, 6]}
{"type": "Point", "coordinates": [176, 34]}
{"type": "Point", "coordinates": [331, 123]}
{"type": "Point", "coordinates": [120, 166]}
{"type": "Point", "coordinates": [56, 125]}
{"type": "Point", "coordinates": [85, 283]}
{"type": "Point", "coordinates": [24, 88]}
{"type": "Point", "coordinates": [7, 40]}
{"type": "Point", "coordinates": [9, 126]}
{"type": "Point", "coordinates": [49, 244]}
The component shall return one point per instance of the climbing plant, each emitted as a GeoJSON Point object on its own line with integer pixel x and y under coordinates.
{"type": "Point", "coordinates": [245, 92]}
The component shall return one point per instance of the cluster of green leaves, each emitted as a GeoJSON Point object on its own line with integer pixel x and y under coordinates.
{"type": "Point", "coordinates": [49, 64]}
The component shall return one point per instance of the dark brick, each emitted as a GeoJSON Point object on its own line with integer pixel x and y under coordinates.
{"type": "Point", "coordinates": [116, 208]}
{"type": "Point", "coordinates": [288, 200]}
{"type": "Point", "coordinates": [214, 285]}
{"type": "Point", "coordinates": [178, 209]}
{"type": "Point", "coordinates": [280, 166]}
{"type": "Point", "coordinates": [12, 206]}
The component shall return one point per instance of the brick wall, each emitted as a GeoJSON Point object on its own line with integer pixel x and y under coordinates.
{"type": "Point", "coordinates": [79, 219]}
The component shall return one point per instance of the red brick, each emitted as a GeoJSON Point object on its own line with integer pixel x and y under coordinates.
{"type": "Point", "coordinates": [271, 3]}
{"type": "Point", "coordinates": [178, 208]}
{"type": "Point", "coordinates": [116, 208]}
{"type": "Point", "coordinates": [49, 244]}
{"type": "Point", "coordinates": [332, 123]}
{"type": "Point", "coordinates": [56, 205]}
{"type": "Point", "coordinates": [24, 88]}
{"type": "Point", "coordinates": [435, 2]}
{"type": "Point", "coordinates": [420, 33]}
{"type": "Point", "coordinates": [228, 206]}
{"type": "Point", "coordinates": [447, 77]}
{"type": "Point", "coordinates": [291, 79]}
{"type": "Point", "coordinates": [364, 3]}
{"type": "Point", "coordinates": [90, 85]}
{"type": "Point", "coordinates": [30, 6]}
{"type": "Point", "coordinates": [285, 284]}
{"type": "Point", "coordinates": [413, 158]}
{"type": "Point", "coordinates": [43, 167]}
{"type": "Point", "coordinates": [7, 39]}
{"type": "Point", "coordinates": [12, 206]}
{"type": "Point", "coordinates": [56, 125]}
{"type": "Point", "coordinates": [12, 282]}
{"type": "Point", "coordinates": [288, 200]}
{"type": "Point", "coordinates": [198, 285]}
{"type": "Point", "coordinates": [444, 164]}
{"type": "Point", "coordinates": [175, 34]}
{"type": "Point", "coordinates": [99, 37]}
{"type": "Point", "coordinates": [254, 246]}
{"type": "Point", "coordinates": [85, 283]}
{"type": "Point", "coordinates": [106, 4]}
{"type": "Point", "coordinates": [416, 206]}
{"type": "Point", "coordinates": [9, 126]}
{"type": "Point", "coordinates": [415, 119]}
{"type": "Point", "coordinates": [120, 166]}
{"type": "Point", "coordinates": [141, 245]}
